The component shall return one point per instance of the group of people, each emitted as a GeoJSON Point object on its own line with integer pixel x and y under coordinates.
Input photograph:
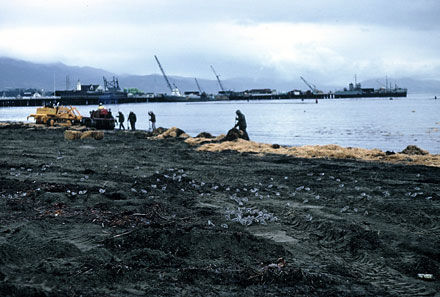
{"type": "Point", "coordinates": [240, 121]}
{"type": "Point", "coordinates": [132, 120]}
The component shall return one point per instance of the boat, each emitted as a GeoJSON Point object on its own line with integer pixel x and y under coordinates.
{"type": "Point", "coordinates": [356, 91]}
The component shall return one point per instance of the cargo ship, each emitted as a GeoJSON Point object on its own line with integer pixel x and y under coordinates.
{"type": "Point", "coordinates": [356, 91]}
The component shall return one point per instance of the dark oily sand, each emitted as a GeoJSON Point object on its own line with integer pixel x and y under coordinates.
{"type": "Point", "coordinates": [131, 216]}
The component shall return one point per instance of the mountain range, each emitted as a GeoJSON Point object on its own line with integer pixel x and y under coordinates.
{"type": "Point", "coordinates": [23, 74]}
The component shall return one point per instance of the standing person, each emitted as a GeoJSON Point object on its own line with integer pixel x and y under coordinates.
{"type": "Point", "coordinates": [152, 120]}
{"type": "Point", "coordinates": [121, 118]}
{"type": "Point", "coordinates": [241, 123]}
{"type": "Point", "coordinates": [100, 106]}
{"type": "Point", "coordinates": [132, 119]}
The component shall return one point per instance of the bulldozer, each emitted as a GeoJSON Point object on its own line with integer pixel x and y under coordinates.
{"type": "Point", "coordinates": [57, 115]}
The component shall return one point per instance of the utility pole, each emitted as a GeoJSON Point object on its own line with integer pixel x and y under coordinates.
{"type": "Point", "coordinates": [67, 82]}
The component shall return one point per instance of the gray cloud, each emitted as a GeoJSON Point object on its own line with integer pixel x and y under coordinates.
{"type": "Point", "coordinates": [421, 14]}
{"type": "Point", "coordinates": [284, 39]}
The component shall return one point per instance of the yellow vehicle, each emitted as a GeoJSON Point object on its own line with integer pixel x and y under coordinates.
{"type": "Point", "coordinates": [61, 115]}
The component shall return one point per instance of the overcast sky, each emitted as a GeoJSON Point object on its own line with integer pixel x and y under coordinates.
{"type": "Point", "coordinates": [320, 40]}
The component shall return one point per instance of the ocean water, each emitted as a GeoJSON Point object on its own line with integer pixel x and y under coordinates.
{"type": "Point", "coordinates": [365, 122]}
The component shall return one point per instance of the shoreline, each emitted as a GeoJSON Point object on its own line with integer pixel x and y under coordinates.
{"type": "Point", "coordinates": [387, 134]}
{"type": "Point", "coordinates": [412, 155]}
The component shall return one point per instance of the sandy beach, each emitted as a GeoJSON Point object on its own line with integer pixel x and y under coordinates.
{"type": "Point", "coordinates": [137, 214]}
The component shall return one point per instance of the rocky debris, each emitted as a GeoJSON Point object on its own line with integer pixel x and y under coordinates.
{"type": "Point", "coordinates": [173, 133]}
{"type": "Point", "coordinates": [414, 150]}
{"type": "Point", "coordinates": [204, 135]}
{"type": "Point", "coordinates": [235, 134]}
{"type": "Point", "coordinates": [19, 125]}
{"type": "Point", "coordinates": [72, 135]}
{"type": "Point", "coordinates": [98, 135]}
{"type": "Point", "coordinates": [248, 216]}
{"type": "Point", "coordinates": [158, 131]}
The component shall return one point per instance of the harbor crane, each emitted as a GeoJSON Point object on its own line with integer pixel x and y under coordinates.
{"type": "Point", "coordinates": [312, 87]}
{"type": "Point", "coordinates": [198, 86]}
{"type": "Point", "coordinates": [218, 79]}
{"type": "Point", "coordinates": [174, 91]}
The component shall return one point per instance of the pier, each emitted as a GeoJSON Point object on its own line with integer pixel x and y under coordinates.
{"type": "Point", "coordinates": [95, 100]}
{"type": "Point", "coordinates": [15, 102]}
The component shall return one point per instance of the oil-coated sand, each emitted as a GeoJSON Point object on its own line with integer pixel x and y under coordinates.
{"type": "Point", "coordinates": [134, 215]}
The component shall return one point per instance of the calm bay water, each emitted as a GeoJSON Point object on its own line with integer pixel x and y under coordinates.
{"type": "Point", "coordinates": [368, 123]}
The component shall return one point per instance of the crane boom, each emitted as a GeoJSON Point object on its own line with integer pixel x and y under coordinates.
{"type": "Point", "coordinates": [311, 88]}
{"type": "Point", "coordinates": [218, 79]}
{"type": "Point", "coordinates": [163, 73]}
{"type": "Point", "coordinates": [198, 86]}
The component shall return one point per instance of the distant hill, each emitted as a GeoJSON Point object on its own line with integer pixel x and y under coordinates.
{"type": "Point", "coordinates": [22, 74]}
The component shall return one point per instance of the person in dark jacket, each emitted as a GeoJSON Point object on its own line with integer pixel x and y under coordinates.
{"type": "Point", "coordinates": [132, 120]}
{"type": "Point", "coordinates": [152, 119]}
{"type": "Point", "coordinates": [121, 120]}
{"type": "Point", "coordinates": [241, 123]}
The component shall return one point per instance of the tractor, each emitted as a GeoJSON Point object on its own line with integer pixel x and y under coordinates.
{"type": "Point", "coordinates": [100, 119]}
